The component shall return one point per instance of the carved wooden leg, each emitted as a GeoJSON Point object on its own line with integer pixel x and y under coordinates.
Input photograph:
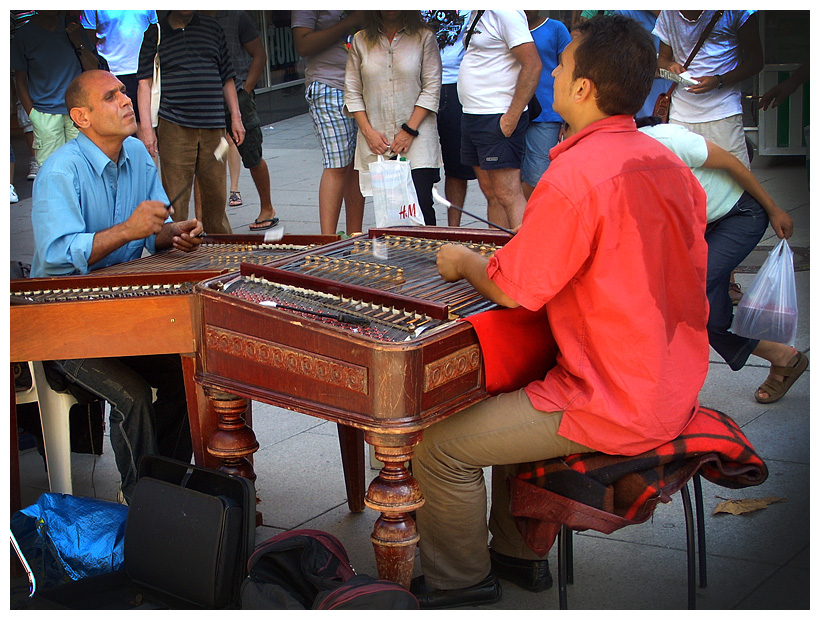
{"type": "Point", "coordinates": [395, 493]}
{"type": "Point", "coordinates": [233, 441]}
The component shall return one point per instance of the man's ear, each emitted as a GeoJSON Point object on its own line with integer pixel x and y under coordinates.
{"type": "Point", "coordinates": [80, 117]}
{"type": "Point", "coordinates": [584, 89]}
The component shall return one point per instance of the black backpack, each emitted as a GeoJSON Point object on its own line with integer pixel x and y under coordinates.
{"type": "Point", "coordinates": [310, 569]}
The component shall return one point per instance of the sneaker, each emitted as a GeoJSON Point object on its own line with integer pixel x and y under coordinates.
{"type": "Point", "coordinates": [33, 169]}
{"type": "Point", "coordinates": [12, 194]}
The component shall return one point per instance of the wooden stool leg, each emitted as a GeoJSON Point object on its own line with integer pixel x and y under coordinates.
{"type": "Point", "coordinates": [351, 444]}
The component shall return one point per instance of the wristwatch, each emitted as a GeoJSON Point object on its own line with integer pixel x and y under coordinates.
{"type": "Point", "coordinates": [720, 81]}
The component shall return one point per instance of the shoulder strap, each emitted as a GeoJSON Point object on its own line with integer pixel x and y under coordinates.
{"type": "Point", "coordinates": [704, 34]}
{"type": "Point", "coordinates": [469, 34]}
{"type": "Point", "coordinates": [698, 45]}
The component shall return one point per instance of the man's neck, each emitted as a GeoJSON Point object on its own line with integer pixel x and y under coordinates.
{"type": "Point", "coordinates": [111, 146]}
{"type": "Point", "coordinates": [692, 16]}
{"type": "Point", "coordinates": [176, 20]}
{"type": "Point", "coordinates": [585, 120]}
{"type": "Point", "coordinates": [49, 21]}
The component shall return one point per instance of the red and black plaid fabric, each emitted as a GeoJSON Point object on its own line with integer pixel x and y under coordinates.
{"type": "Point", "coordinates": [605, 492]}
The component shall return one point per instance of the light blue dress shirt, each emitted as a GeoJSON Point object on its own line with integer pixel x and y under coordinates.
{"type": "Point", "coordinates": [78, 192]}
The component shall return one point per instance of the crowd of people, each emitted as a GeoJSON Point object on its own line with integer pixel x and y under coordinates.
{"type": "Point", "coordinates": [635, 282]}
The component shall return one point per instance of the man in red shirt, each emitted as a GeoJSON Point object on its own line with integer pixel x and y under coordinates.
{"type": "Point", "coordinates": [612, 246]}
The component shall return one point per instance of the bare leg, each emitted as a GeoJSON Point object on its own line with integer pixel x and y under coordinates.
{"type": "Point", "coordinates": [527, 189]}
{"type": "Point", "coordinates": [776, 354]}
{"type": "Point", "coordinates": [261, 178]}
{"type": "Point", "coordinates": [507, 189]}
{"type": "Point", "coordinates": [495, 211]}
{"type": "Point", "coordinates": [331, 192]}
{"type": "Point", "coordinates": [234, 164]}
{"type": "Point", "coordinates": [354, 201]}
{"type": "Point", "coordinates": [455, 191]}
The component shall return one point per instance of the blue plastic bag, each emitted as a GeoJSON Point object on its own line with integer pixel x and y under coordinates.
{"type": "Point", "coordinates": [65, 538]}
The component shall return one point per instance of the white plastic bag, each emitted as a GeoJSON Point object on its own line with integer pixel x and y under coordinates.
{"type": "Point", "coordinates": [394, 196]}
{"type": "Point", "coordinates": [768, 309]}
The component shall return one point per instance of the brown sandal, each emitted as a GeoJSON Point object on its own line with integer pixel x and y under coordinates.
{"type": "Point", "coordinates": [775, 388]}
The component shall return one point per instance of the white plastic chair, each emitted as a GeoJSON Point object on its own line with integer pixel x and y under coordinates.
{"type": "Point", "coordinates": [54, 410]}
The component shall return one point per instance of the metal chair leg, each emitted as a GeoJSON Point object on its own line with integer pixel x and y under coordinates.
{"type": "Point", "coordinates": [690, 545]}
{"type": "Point", "coordinates": [564, 538]}
{"type": "Point", "coordinates": [701, 529]}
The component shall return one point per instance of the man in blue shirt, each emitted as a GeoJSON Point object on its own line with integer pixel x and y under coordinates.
{"type": "Point", "coordinates": [98, 201]}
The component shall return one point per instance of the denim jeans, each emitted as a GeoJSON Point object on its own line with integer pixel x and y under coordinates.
{"type": "Point", "coordinates": [137, 425]}
{"type": "Point", "coordinates": [730, 240]}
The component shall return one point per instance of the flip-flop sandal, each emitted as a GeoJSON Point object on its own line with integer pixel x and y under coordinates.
{"type": "Point", "coordinates": [775, 388]}
{"type": "Point", "coordinates": [236, 199]}
{"type": "Point", "coordinates": [264, 224]}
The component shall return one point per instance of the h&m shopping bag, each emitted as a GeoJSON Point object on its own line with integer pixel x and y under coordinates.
{"type": "Point", "coordinates": [394, 196]}
{"type": "Point", "coordinates": [768, 309]}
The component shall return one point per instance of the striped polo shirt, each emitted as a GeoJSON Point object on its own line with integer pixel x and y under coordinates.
{"type": "Point", "coordinates": [194, 64]}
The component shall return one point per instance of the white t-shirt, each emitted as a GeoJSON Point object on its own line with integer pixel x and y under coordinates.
{"type": "Point", "coordinates": [720, 53]}
{"type": "Point", "coordinates": [489, 70]}
{"type": "Point", "coordinates": [722, 191]}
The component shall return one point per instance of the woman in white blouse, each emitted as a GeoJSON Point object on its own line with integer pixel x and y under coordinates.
{"type": "Point", "coordinates": [392, 84]}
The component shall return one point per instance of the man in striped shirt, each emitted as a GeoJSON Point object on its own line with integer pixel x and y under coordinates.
{"type": "Point", "coordinates": [197, 84]}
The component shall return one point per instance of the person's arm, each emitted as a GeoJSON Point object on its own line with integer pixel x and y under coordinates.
{"type": "Point", "coordinates": [527, 56]}
{"type": "Point", "coordinates": [21, 84]}
{"type": "Point", "coordinates": [145, 131]}
{"type": "Point", "coordinates": [256, 49]}
{"type": "Point", "coordinates": [721, 159]}
{"type": "Point", "coordinates": [777, 94]}
{"type": "Point", "coordinates": [749, 39]}
{"type": "Point", "coordinates": [457, 262]}
{"type": "Point", "coordinates": [147, 219]}
{"type": "Point", "coordinates": [309, 42]}
{"type": "Point", "coordinates": [376, 140]}
{"type": "Point", "coordinates": [237, 129]}
{"type": "Point", "coordinates": [666, 59]}
{"type": "Point", "coordinates": [402, 141]}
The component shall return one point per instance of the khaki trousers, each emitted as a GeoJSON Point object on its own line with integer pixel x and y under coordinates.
{"type": "Point", "coordinates": [500, 432]}
{"type": "Point", "coordinates": [186, 153]}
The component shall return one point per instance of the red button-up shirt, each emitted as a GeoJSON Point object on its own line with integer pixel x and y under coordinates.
{"type": "Point", "coordinates": [613, 243]}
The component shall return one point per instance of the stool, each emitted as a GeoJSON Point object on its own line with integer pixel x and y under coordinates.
{"type": "Point", "coordinates": [565, 568]}
{"type": "Point", "coordinates": [54, 418]}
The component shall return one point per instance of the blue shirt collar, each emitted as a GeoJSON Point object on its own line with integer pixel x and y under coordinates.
{"type": "Point", "coordinates": [95, 156]}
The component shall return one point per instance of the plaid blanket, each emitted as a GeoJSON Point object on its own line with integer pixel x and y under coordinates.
{"type": "Point", "coordinates": [605, 492]}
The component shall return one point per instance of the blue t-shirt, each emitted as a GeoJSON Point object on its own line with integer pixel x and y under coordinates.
{"type": "Point", "coordinates": [119, 36]}
{"type": "Point", "coordinates": [49, 59]}
{"type": "Point", "coordinates": [78, 192]}
{"type": "Point", "coordinates": [550, 38]}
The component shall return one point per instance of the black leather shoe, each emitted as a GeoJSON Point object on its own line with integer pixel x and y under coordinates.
{"type": "Point", "coordinates": [484, 592]}
{"type": "Point", "coordinates": [532, 575]}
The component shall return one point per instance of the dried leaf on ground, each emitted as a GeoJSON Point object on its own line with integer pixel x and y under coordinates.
{"type": "Point", "coordinates": [742, 506]}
